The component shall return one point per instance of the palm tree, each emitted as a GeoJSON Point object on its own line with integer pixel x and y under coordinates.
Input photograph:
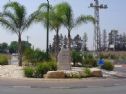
{"type": "Point", "coordinates": [55, 21]}
{"type": "Point", "coordinates": [55, 24]}
{"type": "Point", "coordinates": [14, 18]}
{"type": "Point", "coordinates": [69, 22]}
{"type": "Point", "coordinates": [43, 16]}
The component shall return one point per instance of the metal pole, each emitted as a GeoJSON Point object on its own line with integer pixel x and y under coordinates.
{"type": "Point", "coordinates": [47, 45]}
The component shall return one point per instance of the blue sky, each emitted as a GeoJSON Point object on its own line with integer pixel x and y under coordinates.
{"type": "Point", "coordinates": [112, 18]}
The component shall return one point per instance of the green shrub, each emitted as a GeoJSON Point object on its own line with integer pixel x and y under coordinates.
{"type": "Point", "coordinates": [89, 60]}
{"type": "Point", "coordinates": [28, 71]}
{"type": "Point", "coordinates": [87, 72]}
{"type": "Point", "coordinates": [112, 56]}
{"type": "Point", "coordinates": [3, 60]}
{"type": "Point", "coordinates": [76, 57]}
{"type": "Point", "coordinates": [35, 56]}
{"type": "Point", "coordinates": [40, 69]}
{"type": "Point", "coordinates": [43, 68]}
{"type": "Point", "coordinates": [108, 66]}
{"type": "Point", "coordinates": [53, 65]}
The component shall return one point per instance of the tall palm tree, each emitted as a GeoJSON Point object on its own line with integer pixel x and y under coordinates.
{"type": "Point", "coordinates": [69, 22]}
{"type": "Point", "coordinates": [14, 18]}
{"type": "Point", "coordinates": [55, 24]}
{"type": "Point", "coordinates": [55, 21]}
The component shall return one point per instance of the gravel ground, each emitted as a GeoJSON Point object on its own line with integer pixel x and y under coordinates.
{"type": "Point", "coordinates": [11, 71]}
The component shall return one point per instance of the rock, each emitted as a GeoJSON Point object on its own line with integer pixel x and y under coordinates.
{"type": "Point", "coordinates": [72, 74]}
{"type": "Point", "coordinates": [55, 74]}
{"type": "Point", "coordinates": [82, 74]}
{"type": "Point", "coordinates": [96, 72]}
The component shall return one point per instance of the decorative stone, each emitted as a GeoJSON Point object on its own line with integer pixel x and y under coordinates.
{"type": "Point", "coordinates": [96, 72]}
{"type": "Point", "coordinates": [72, 74]}
{"type": "Point", "coordinates": [55, 74]}
{"type": "Point", "coordinates": [64, 60]}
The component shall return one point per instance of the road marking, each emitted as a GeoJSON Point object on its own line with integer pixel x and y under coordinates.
{"type": "Point", "coordinates": [118, 66]}
{"type": "Point", "coordinates": [21, 86]}
{"type": "Point", "coordinates": [60, 87]}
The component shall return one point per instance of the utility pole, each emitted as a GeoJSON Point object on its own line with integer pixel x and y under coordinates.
{"type": "Point", "coordinates": [97, 31]}
{"type": "Point", "coordinates": [47, 45]}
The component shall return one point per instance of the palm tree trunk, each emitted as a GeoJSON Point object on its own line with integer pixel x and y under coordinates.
{"type": "Point", "coordinates": [69, 46]}
{"type": "Point", "coordinates": [19, 50]}
{"type": "Point", "coordinates": [57, 43]}
{"type": "Point", "coordinates": [69, 41]}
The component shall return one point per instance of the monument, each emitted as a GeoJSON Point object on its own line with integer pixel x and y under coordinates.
{"type": "Point", "coordinates": [64, 59]}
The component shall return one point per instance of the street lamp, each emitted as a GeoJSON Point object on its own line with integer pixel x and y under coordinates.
{"type": "Point", "coordinates": [47, 45]}
{"type": "Point", "coordinates": [97, 32]}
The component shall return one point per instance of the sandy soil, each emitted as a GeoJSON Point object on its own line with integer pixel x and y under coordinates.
{"type": "Point", "coordinates": [11, 71]}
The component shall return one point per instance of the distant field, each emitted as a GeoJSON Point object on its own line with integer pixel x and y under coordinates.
{"type": "Point", "coordinates": [117, 53]}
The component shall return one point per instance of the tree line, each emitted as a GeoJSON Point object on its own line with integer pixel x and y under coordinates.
{"type": "Point", "coordinates": [13, 47]}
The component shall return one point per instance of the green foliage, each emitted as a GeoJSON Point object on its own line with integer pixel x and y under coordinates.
{"type": "Point", "coordinates": [13, 48]}
{"type": "Point", "coordinates": [40, 69]}
{"type": "Point", "coordinates": [3, 60]}
{"type": "Point", "coordinates": [108, 66]}
{"type": "Point", "coordinates": [28, 71]}
{"type": "Point", "coordinates": [3, 47]}
{"type": "Point", "coordinates": [112, 56]}
{"type": "Point", "coordinates": [89, 60]}
{"type": "Point", "coordinates": [87, 72]}
{"type": "Point", "coordinates": [43, 68]}
{"type": "Point", "coordinates": [76, 57]}
{"type": "Point", "coordinates": [35, 56]}
{"type": "Point", "coordinates": [53, 65]}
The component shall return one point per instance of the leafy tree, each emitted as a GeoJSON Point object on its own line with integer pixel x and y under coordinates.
{"type": "Point", "coordinates": [59, 44]}
{"type": "Point", "coordinates": [14, 18]}
{"type": "Point", "coordinates": [77, 43]}
{"type": "Point", "coordinates": [76, 57]}
{"type": "Point", "coordinates": [13, 48]}
{"type": "Point", "coordinates": [3, 47]}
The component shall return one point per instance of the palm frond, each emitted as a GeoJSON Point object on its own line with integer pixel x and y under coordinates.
{"type": "Point", "coordinates": [19, 11]}
{"type": "Point", "coordinates": [65, 11]}
{"type": "Point", "coordinates": [8, 25]}
{"type": "Point", "coordinates": [55, 20]}
{"type": "Point", "coordinates": [44, 6]}
{"type": "Point", "coordinates": [85, 19]}
{"type": "Point", "coordinates": [8, 15]}
{"type": "Point", "coordinates": [29, 20]}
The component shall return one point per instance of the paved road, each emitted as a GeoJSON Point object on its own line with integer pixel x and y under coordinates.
{"type": "Point", "coordinates": [121, 70]}
{"type": "Point", "coordinates": [74, 83]}
{"type": "Point", "coordinates": [66, 86]}
{"type": "Point", "coordinates": [90, 90]}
